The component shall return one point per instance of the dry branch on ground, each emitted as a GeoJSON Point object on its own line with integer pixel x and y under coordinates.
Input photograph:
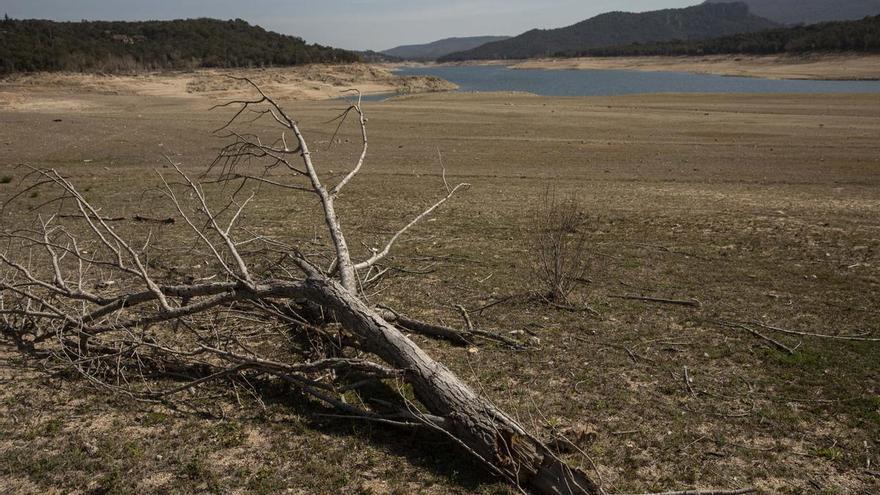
{"type": "Point", "coordinates": [83, 294]}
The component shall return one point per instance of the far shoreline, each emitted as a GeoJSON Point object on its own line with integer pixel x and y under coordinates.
{"type": "Point", "coordinates": [813, 66]}
{"type": "Point", "coordinates": [832, 67]}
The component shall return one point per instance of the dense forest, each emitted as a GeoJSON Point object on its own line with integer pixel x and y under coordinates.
{"type": "Point", "coordinates": [620, 28]}
{"type": "Point", "coordinates": [38, 45]}
{"type": "Point", "coordinates": [855, 36]}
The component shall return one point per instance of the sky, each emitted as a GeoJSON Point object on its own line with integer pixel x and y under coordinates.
{"type": "Point", "coordinates": [352, 24]}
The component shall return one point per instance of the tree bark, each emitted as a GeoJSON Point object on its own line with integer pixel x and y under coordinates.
{"type": "Point", "coordinates": [49, 307]}
{"type": "Point", "coordinates": [471, 419]}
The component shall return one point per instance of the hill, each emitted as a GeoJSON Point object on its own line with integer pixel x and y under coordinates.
{"type": "Point", "coordinates": [848, 36]}
{"type": "Point", "coordinates": [810, 11]}
{"type": "Point", "coordinates": [437, 49]}
{"type": "Point", "coordinates": [374, 57]}
{"type": "Point", "coordinates": [619, 28]}
{"type": "Point", "coordinates": [38, 45]}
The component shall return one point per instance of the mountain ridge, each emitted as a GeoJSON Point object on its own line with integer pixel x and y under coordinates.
{"type": "Point", "coordinates": [809, 11]}
{"type": "Point", "coordinates": [618, 28]}
{"type": "Point", "coordinates": [440, 48]}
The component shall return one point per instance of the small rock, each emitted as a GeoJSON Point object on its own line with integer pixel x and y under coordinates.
{"type": "Point", "coordinates": [90, 449]}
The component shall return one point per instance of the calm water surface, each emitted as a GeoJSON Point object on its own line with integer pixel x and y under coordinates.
{"type": "Point", "coordinates": [622, 82]}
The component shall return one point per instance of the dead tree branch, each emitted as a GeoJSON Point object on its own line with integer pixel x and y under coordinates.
{"type": "Point", "coordinates": [775, 343]}
{"type": "Point", "coordinates": [742, 491]}
{"type": "Point", "coordinates": [678, 302]}
{"type": "Point", "coordinates": [92, 298]}
{"type": "Point", "coordinates": [855, 338]}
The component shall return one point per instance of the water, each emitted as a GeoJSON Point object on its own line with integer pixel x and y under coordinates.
{"type": "Point", "coordinates": [622, 82]}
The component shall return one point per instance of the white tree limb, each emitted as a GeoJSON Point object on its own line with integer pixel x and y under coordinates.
{"type": "Point", "coordinates": [379, 255]}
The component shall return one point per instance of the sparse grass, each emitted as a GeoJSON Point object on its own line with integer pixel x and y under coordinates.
{"type": "Point", "coordinates": [264, 482]}
{"type": "Point", "coordinates": [154, 419]}
{"type": "Point", "coordinates": [199, 472]}
{"type": "Point", "coordinates": [745, 234]}
{"type": "Point", "coordinates": [51, 427]}
{"type": "Point", "coordinates": [830, 453]}
{"type": "Point", "coordinates": [227, 434]}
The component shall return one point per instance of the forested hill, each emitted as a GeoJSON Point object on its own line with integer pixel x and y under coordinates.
{"type": "Point", "coordinates": [845, 36]}
{"type": "Point", "coordinates": [38, 45]}
{"type": "Point", "coordinates": [811, 11]}
{"type": "Point", "coordinates": [619, 28]}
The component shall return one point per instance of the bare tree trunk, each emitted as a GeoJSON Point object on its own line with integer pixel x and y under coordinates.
{"type": "Point", "coordinates": [468, 417]}
{"type": "Point", "coordinates": [88, 299]}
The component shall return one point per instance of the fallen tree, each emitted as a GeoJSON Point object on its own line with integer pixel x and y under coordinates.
{"type": "Point", "coordinates": [80, 293]}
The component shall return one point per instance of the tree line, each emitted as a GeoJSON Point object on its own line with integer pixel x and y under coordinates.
{"type": "Point", "coordinates": [846, 36]}
{"type": "Point", "coordinates": [101, 46]}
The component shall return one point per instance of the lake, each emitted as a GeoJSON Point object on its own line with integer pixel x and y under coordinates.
{"type": "Point", "coordinates": [622, 82]}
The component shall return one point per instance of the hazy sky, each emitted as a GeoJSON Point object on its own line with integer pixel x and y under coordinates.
{"type": "Point", "coordinates": [355, 24]}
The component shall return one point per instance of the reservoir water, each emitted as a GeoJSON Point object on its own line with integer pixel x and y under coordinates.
{"type": "Point", "coordinates": [622, 82]}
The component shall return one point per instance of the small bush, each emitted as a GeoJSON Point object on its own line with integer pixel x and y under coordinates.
{"type": "Point", "coordinates": [559, 242]}
{"type": "Point", "coordinates": [6, 179]}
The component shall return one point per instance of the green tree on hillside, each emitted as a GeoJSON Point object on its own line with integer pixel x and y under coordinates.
{"type": "Point", "coordinates": [37, 45]}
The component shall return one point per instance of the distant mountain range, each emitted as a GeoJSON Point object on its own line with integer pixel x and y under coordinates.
{"type": "Point", "coordinates": [810, 11]}
{"type": "Point", "coordinates": [437, 49]}
{"type": "Point", "coordinates": [620, 28]}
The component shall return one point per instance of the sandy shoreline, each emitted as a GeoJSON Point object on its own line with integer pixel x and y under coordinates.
{"type": "Point", "coordinates": [310, 82]}
{"type": "Point", "coordinates": [814, 67]}
{"type": "Point", "coordinates": [49, 92]}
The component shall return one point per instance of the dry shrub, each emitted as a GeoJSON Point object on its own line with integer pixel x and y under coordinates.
{"type": "Point", "coordinates": [560, 245]}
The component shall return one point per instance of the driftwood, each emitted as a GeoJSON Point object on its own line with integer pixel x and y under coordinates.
{"type": "Point", "coordinates": [854, 338]}
{"type": "Point", "coordinates": [775, 343]}
{"type": "Point", "coordinates": [742, 491]}
{"type": "Point", "coordinates": [134, 218]}
{"type": "Point", "coordinates": [459, 337]}
{"type": "Point", "coordinates": [87, 297]}
{"type": "Point", "coordinates": [677, 302]}
{"type": "Point", "coordinates": [467, 417]}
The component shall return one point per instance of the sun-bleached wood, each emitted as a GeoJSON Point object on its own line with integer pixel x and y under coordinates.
{"type": "Point", "coordinates": [86, 298]}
